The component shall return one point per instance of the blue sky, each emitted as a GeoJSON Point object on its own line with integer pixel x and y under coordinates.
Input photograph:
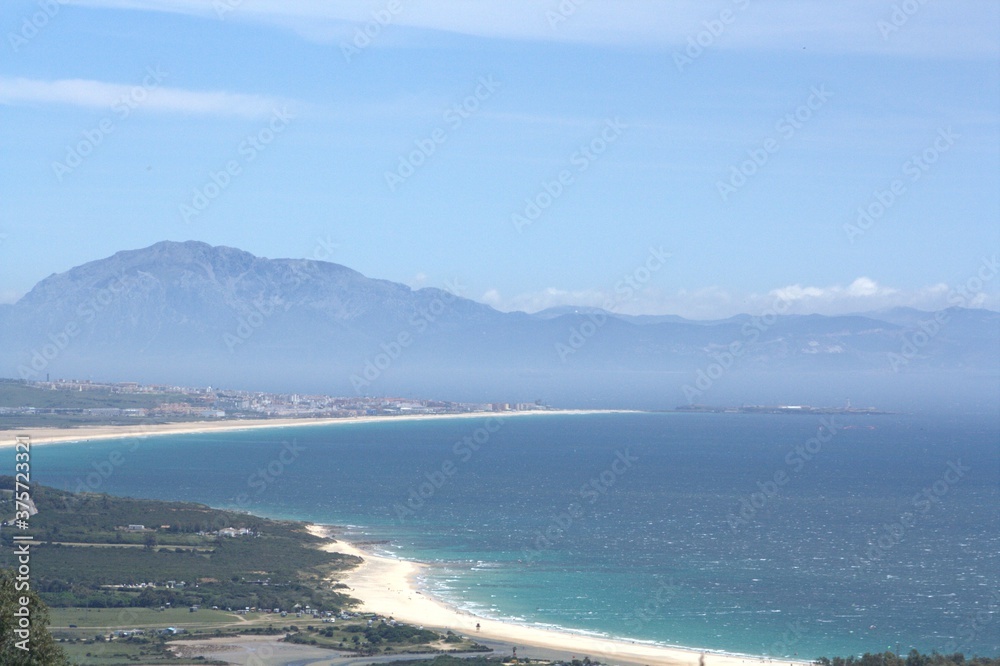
{"type": "Point", "coordinates": [739, 136]}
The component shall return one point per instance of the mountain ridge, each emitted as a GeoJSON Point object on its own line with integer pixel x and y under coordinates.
{"type": "Point", "coordinates": [192, 311]}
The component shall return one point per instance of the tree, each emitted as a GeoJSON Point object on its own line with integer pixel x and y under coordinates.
{"type": "Point", "coordinates": [915, 659]}
{"type": "Point", "coordinates": [41, 648]}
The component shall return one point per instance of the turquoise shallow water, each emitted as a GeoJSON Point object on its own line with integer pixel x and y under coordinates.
{"type": "Point", "coordinates": [744, 533]}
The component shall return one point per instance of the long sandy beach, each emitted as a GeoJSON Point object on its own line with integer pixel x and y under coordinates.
{"type": "Point", "coordinates": [389, 587]}
{"type": "Point", "coordinates": [86, 433]}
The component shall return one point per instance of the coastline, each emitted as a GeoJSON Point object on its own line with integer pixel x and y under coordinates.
{"type": "Point", "coordinates": [388, 586]}
{"type": "Point", "coordinates": [90, 433]}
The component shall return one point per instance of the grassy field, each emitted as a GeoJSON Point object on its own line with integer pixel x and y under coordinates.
{"type": "Point", "coordinates": [109, 619]}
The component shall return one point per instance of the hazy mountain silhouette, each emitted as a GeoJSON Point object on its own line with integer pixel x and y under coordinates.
{"type": "Point", "coordinates": [191, 313]}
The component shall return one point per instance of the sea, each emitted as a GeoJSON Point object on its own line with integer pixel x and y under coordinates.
{"type": "Point", "coordinates": [788, 535]}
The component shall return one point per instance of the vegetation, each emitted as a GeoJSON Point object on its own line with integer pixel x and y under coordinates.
{"type": "Point", "coordinates": [914, 658]}
{"type": "Point", "coordinates": [382, 636]}
{"type": "Point", "coordinates": [85, 556]}
{"type": "Point", "coordinates": [17, 393]}
{"type": "Point", "coordinates": [125, 577]}
{"type": "Point", "coordinates": [34, 648]}
{"type": "Point", "coordinates": [382, 632]}
{"type": "Point", "coordinates": [446, 660]}
{"type": "Point", "coordinates": [97, 650]}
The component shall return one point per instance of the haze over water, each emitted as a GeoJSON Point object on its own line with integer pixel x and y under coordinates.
{"type": "Point", "coordinates": [662, 527]}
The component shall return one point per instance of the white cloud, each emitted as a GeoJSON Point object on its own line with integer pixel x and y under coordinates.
{"type": "Point", "coordinates": [957, 28]}
{"type": "Point", "coordinates": [148, 94]}
{"type": "Point", "coordinates": [861, 295]}
{"type": "Point", "coordinates": [861, 289]}
{"type": "Point", "coordinates": [547, 298]}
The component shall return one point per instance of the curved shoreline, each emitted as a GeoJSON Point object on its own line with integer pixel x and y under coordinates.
{"type": "Point", "coordinates": [389, 587]}
{"type": "Point", "coordinates": [49, 435]}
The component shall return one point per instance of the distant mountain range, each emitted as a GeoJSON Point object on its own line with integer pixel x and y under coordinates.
{"type": "Point", "coordinates": [192, 313]}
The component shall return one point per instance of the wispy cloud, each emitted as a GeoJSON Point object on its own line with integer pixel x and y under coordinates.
{"type": "Point", "coordinates": [958, 28]}
{"type": "Point", "coordinates": [861, 295]}
{"type": "Point", "coordinates": [99, 94]}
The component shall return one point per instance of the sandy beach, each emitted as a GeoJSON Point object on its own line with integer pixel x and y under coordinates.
{"type": "Point", "coordinates": [86, 433]}
{"type": "Point", "coordinates": [388, 586]}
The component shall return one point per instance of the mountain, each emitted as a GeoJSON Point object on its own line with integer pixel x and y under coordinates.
{"type": "Point", "coordinates": [191, 313]}
{"type": "Point", "coordinates": [558, 311]}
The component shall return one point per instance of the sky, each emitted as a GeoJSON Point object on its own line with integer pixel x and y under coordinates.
{"type": "Point", "coordinates": [719, 154]}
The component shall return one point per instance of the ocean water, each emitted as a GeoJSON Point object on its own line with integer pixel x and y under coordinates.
{"type": "Point", "coordinates": [759, 534]}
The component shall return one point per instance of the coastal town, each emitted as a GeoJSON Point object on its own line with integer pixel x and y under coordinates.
{"type": "Point", "coordinates": [129, 402]}
{"type": "Point", "coordinates": [84, 401]}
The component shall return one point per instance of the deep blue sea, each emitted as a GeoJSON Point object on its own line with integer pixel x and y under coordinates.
{"type": "Point", "coordinates": [744, 533]}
